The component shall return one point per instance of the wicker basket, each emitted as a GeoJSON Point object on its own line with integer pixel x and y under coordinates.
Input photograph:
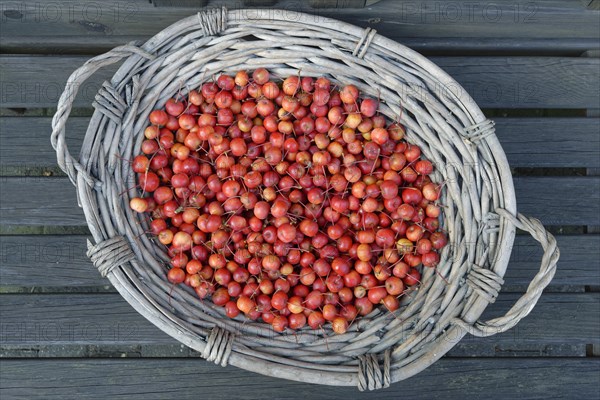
{"type": "Point", "coordinates": [439, 116]}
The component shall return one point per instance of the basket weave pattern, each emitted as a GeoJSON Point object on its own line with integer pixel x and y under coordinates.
{"type": "Point", "coordinates": [480, 214]}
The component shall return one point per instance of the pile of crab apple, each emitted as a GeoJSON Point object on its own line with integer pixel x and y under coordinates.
{"type": "Point", "coordinates": [292, 201]}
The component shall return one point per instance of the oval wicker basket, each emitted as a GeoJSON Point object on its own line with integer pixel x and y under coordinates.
{"type": "Point", "coordinates": [439, 116]}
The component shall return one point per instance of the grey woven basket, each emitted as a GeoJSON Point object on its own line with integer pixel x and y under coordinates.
{"type": "Point", "coordinates": [439, 116]}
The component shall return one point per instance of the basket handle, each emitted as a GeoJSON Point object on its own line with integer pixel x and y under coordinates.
{"type": "Point", "coordinates": [211, 21]}
{"type": "Point", "coordinates": [66, 162]}
{"type": "Point", "coordinates": [525, 304]}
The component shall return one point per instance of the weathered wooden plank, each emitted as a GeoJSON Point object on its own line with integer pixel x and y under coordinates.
{"type": "Point", "coordinates": [174, 349]}
{"type": "Point", "coordinates": [548, 198]}
{"type": "Point", "coordinates": [527, 142]}
{"type": "Point", "coordinates": [339, 3]}
{"type": "Point", "coordinates": [494, 82]}
{"type": "Point", "coordinates": [186, 379]}
{"type": "Point", "coordinates": [25, 141]}
{"type": "Point", "coordinates": [97, 319]}
{"type": "Point", "coordinates": [592, 4]}
{"type": "Point", "coordinates": [554, 200]}
{"type": "Point", "coordinates": [429, 46]}
{"type": "Point", "coordinates": [526, 46]}
{"type": "Point", "coordinates": [96, 22]}
{"type": "Point", "coordinates": [75, 319]}
{"type": "Point", "coordinates": [46, 262]}
{"type": "Point", "coordinates": [169, 350]}
{"type": "Point", "coordinates": [40, 81]}
{"type": "Point", "coordinates": [524, 82]}
{"type": "Point", "coordinates": [179, 3]}
{"type": "Point", "coordinates": [550, 142]}
{"type": "Point", "coordinates": [579, 262]}
{"type": "Point", "coordinates": [52, 201]}
{"type": "Point", "coordinates": [541, 326]}
{"type": "Point", "coordinates": [468, 348]}
{"type": "Point", "coordinates": [202, 3]}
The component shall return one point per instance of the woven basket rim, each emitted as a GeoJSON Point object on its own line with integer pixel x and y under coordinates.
{"type": "Point", "coordinates": [134, 288]}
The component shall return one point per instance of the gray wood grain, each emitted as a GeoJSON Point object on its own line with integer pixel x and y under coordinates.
{"type": "Point", "coordinates": [527, 142]}
{"type": "Point", "coordinates": [550, 142]}
{"type": "Point", "coordinates": [47, 262]}
{"type": "Point", "coordinates": [494, 82]}
{"type": "Point", "coordinates": [18, 133]}
{"type": "Point", "coordinates": [526, 82]}
{"type": "Point", "coordinates": [579, 263]}
{"type": "Point", "coordinates": [94, 23]}
{"type": "Point", "coordinates": [179, 3]}
{"type": "Point", "coordinates": [592, 4]}
{"type": "Point", "coordinates": [193, 379]}
{"type": "Point", "coordinates": [39, 201]}
{"type": "Point", "coordinates": [466, 348]}
{"type": "Point", "coordinates": [98, 319]}
{"type": "Point", "coordinates": [75, 319]}
{"type": "Point", "coordinates": [429, 46]}
{"type": "Point", "coordinates": [554, 200]}
{"type": "Point", "coordinates": [559, 200]}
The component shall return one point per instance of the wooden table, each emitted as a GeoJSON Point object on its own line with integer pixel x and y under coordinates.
{"type": "Point", "coordinates": [531, 65]}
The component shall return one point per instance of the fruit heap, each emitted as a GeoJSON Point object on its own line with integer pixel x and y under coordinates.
{"type": "Point", "coordinates": [293, 202]}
